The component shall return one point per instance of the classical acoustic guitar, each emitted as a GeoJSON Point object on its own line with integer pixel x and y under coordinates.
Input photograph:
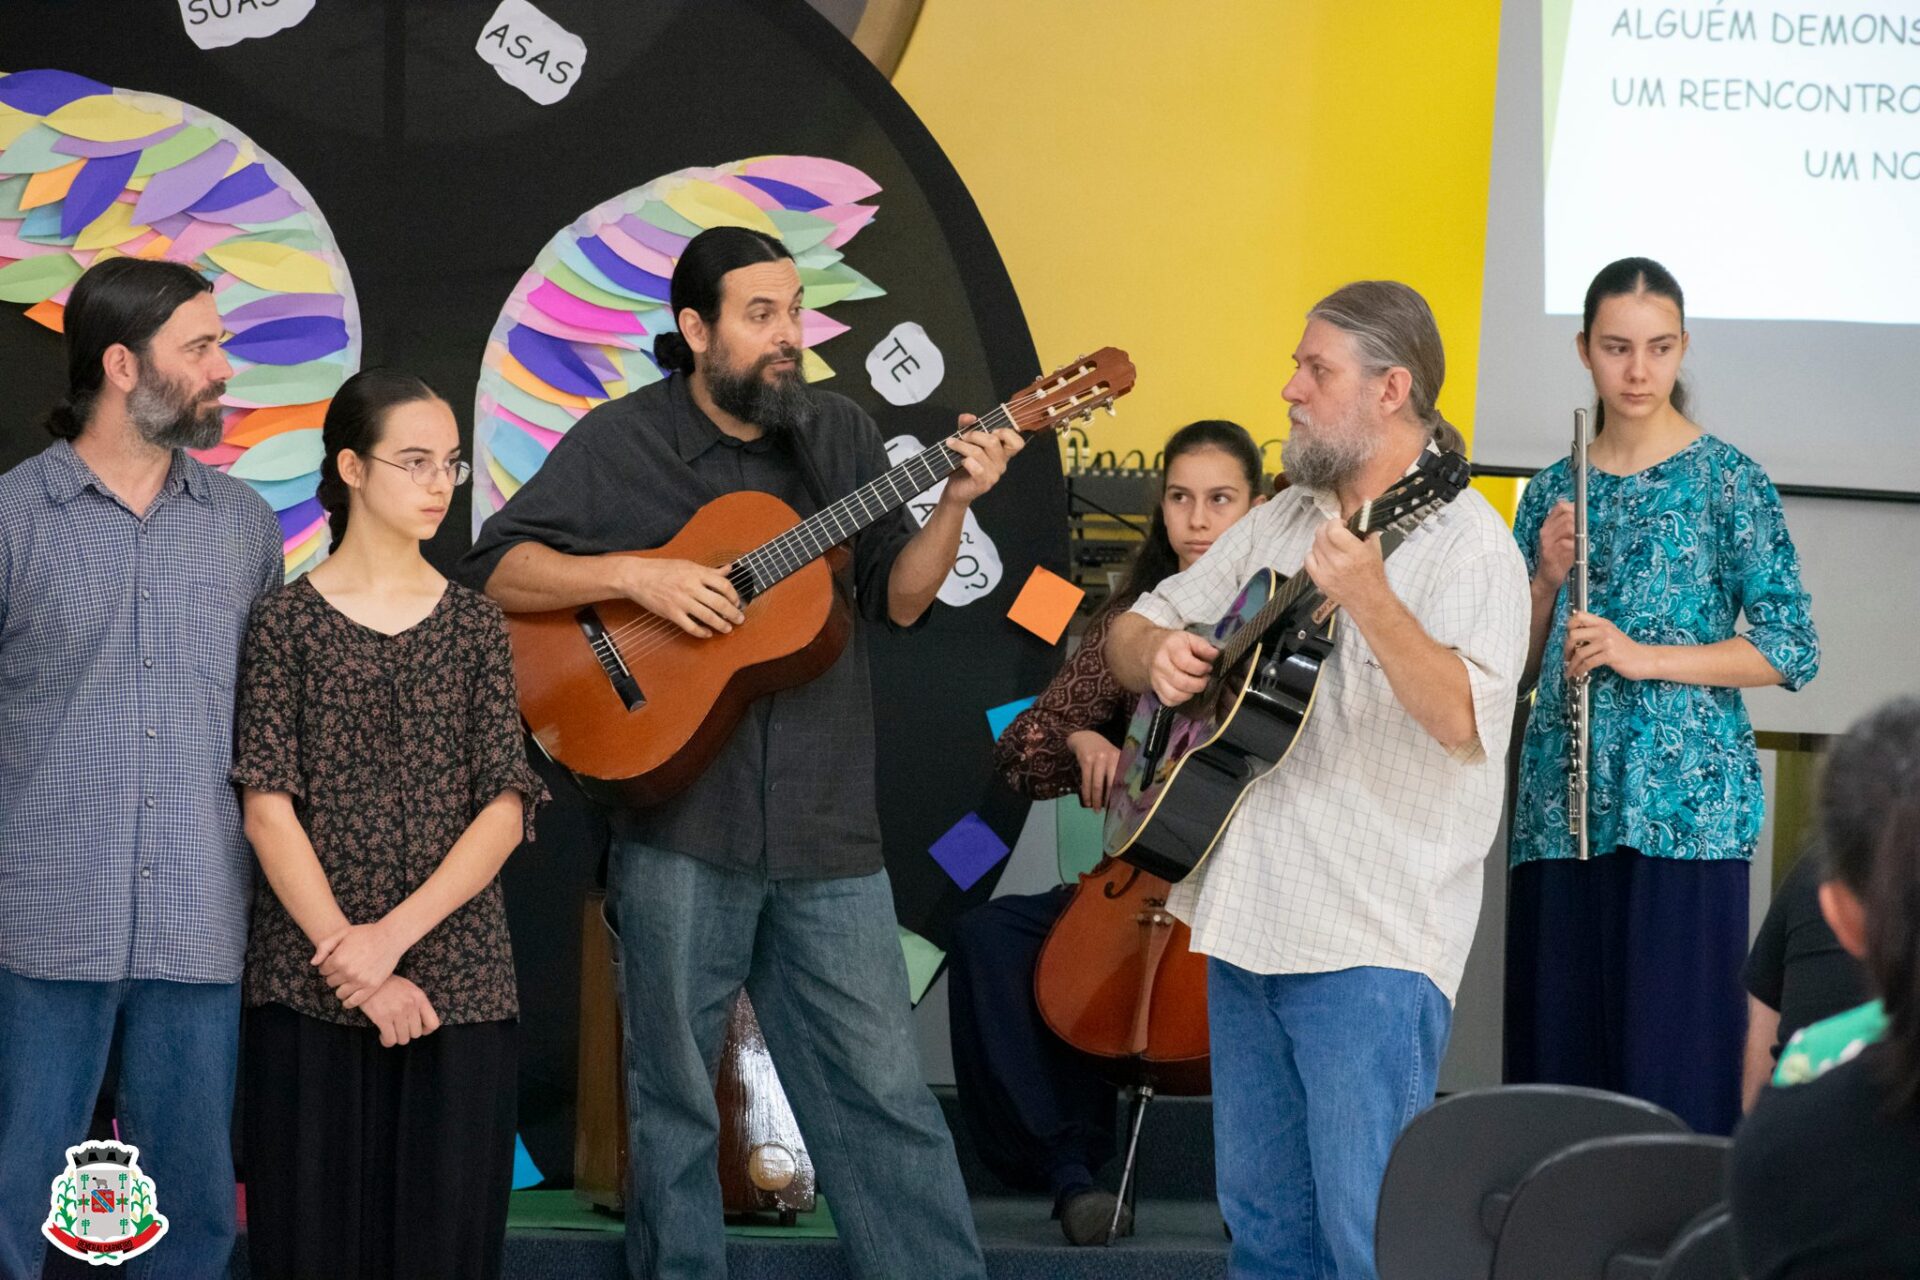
{"type": "Point", "coordinates": [637, 708]}
{"type": "Point", "coordinates": [1186, 768]}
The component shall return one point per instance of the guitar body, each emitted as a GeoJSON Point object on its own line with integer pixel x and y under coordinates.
{"type": "Point", "coordinates": [636, 707]}
{"type": "Point", "coordinates": [1186, 769]}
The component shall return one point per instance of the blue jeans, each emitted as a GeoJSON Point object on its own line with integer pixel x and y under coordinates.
{"type": "Point", "coordinates": [821, 960]}
{"type": "Point", "coordinates": [179, 1043]}
{"type": "Point", "coordinates": [1314, 1076]}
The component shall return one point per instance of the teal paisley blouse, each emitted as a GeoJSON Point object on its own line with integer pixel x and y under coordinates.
{"type": "Point", "coordinates": [1676, 553]}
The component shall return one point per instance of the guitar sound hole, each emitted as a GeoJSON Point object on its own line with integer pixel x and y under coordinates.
{"type": "Point", "coordinates": [608, 655]}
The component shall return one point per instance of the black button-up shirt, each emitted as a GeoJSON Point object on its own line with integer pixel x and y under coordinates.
{"type": "Point", "coordinates": [791, 792]}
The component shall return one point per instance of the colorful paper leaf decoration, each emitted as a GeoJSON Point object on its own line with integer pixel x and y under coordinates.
{"type": "Point", "coordinates": [89, 173]}
{"type": "Point", "coordinates": [578, 329]}
{"type": "Point", "coordinates": [37, 279]}
{"type": "Point", "coordinates": [271, 266]}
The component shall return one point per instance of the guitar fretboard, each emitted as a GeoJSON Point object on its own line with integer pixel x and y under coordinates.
{"type": "Point", "coordinates": [1300, 588]}
{"type": "Point", "coordinates": [785, 555]}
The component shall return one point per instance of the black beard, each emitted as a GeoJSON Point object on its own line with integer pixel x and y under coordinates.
{"type": "Point", "coordinates": [782, 404]}
{"type": "Point", "coordinates": [166, 420]}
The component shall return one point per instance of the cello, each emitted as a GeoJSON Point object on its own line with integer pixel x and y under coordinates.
{"type": "Point", "coordinates": [1117, 981]}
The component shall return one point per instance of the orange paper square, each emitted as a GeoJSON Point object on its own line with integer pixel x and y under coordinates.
{"type": "Point", "coordinates": [1045, 605]}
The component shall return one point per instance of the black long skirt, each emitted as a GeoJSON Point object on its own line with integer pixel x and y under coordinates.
{"type": "Point", "coordinates": [371, 1162]}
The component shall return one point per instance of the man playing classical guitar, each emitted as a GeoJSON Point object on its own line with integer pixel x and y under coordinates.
{"type": "Point", "coordinates": [767, 869]}
{"type": "Point", "coordinates": [1337, 908]}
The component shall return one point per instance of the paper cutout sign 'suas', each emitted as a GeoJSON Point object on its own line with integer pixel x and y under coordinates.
{"type": "Point", "coordinates": [1045, 605]}
{"type": "Point", "coordinates": [968, 850]}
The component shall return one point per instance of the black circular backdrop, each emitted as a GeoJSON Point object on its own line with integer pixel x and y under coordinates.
{"type": "Point", "coordinates": [441, 184]}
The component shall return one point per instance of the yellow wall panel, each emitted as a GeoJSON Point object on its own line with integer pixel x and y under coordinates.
{"type": "Point", "coordinates": [1186, 180]}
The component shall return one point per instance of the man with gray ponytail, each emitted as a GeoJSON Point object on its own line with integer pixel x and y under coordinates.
{"type": "Point", "coordinates": [127, 570]}
{"type": "Point", "coordinates": [1338, 906]}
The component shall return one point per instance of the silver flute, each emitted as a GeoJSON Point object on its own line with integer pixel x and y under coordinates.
{"type": "Point", "coordinates": [1579, 706]}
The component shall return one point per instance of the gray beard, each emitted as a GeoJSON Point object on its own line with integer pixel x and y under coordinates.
{"type": "Point", "coordinates": [165, 423]}
{"type": "Point", "coordinates": [1327, 461]}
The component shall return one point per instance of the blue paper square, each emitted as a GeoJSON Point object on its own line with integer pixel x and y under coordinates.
{"type": "Point", "coordinates": [998, 718]}
{"type": "Point", "coordinates": [968, 850]}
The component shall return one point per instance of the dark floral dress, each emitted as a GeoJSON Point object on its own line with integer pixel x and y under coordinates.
{"type": "Point", "coordinates": [390, 747]}
{"type": "Point", "coordinates": [1033, 755]}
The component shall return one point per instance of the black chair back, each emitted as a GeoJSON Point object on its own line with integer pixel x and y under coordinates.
{"type": "Point", "coordinates": [1454, 1170]}
{"type": "Point", "coordinates": [1609, 1209]}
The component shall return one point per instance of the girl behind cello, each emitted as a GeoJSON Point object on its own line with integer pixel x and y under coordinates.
{"type": "Point", "coordinates": [1038, 1115]}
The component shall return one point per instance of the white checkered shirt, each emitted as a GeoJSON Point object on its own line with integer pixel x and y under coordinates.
{"type": "Point", "coordinates": [1365, 846]}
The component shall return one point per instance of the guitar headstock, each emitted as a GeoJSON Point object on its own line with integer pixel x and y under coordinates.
{"type": "Point", "coordinates": [1437, 480]}
{"type": "Point", "coordinates": [1072, 392]}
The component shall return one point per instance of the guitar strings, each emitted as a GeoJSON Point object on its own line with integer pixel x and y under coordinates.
{"type": "Point", "coordinates": [659, 630]}
{"type": "Point", "coordinates": [653, 632]}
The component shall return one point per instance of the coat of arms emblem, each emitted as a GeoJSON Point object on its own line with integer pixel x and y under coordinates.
{"type": "Point", "coordinates": [103, 1206]}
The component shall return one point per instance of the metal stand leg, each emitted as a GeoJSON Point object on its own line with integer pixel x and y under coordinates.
{"type": "Point", "coordinates": [1128, 1187]}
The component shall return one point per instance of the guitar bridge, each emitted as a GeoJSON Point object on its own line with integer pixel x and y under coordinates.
{"type": "Point", "coordinates": [608, 655]}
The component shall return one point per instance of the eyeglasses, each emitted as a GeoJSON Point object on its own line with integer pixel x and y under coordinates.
{"type": "Point", "coordinates": [423, 470]}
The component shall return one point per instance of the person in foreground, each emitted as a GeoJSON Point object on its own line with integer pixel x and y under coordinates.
{"type": "Point", "coordinates": [766, 870]}
{"type": "Point", "coordinates": [1623, 971]}
{"type": "Point", "coordinates": [127, 568]}
{"type": "Point", "coordinates": [1826, 1171]}
{"type": "Point", "coordinates": [1338, 906]}
{"type": "Point", "coordinates": [1039, 1116]}
{"type": "Point", "coordinates": [385, 780]}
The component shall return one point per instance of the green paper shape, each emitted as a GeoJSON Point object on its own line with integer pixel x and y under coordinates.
{"type": "Point", "coordinates": [585, 290]}
{"type": "Point", "coordinates": [923, 962]}
{"type": "Point", "coordinates": [635, 369]}
{"type": "Point", "coordinates": [267, 384]}
{"type": "Point", "coordinates": [301, 238]}
{"type": "Point", "coordinates": [1079, 837]}
{"type": "Point", "coordinates": [532, 408]}
{"type": "Point", "coordinates": [839, 282]}
{"type": "Point", "coordinates": [32, 152]}
{"type": "Point", "coordinates": [822, 290]}
{"type": "Point", "coordinates": [239, 294]}
{"type": "Point", "coordinates": [33, 280]}
{"type": "Point", "coordinates": [818, 258]}
{"type": "Point", "coordinates": [12, 191]}
{"type": "Point", "coordinates": [800, 231]}
{"type": "Point", "coordinates": [301, 221]}
{"type": "Point", "coordinates": [659, 214]}
{"type": "Point", "coordinates": [863, 287]}
{"type": "Point", "coordinates": [177, 150]}
{"type": "Point", "coordinates": [282, 457]}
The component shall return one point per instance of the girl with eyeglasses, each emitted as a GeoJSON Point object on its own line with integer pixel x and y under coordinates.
{"type": "Point", "coordinates": [379, 746]}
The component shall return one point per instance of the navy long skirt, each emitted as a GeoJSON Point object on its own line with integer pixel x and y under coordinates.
{"type": "Point", "coordinates": [1623, 973]}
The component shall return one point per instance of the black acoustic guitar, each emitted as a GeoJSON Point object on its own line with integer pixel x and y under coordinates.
{"type": "Point", "coordinates": [1187, 767]}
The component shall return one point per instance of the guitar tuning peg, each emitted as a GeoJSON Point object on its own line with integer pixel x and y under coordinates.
{"type": "Point", "coordinates": [1111, 411]}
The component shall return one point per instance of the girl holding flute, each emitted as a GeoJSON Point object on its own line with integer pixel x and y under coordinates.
{"type": "Point", "coordinates": [1623, 969]}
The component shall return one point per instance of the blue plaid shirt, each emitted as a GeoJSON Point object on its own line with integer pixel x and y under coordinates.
{"type": "Point", "coordinates": [121, 853]}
